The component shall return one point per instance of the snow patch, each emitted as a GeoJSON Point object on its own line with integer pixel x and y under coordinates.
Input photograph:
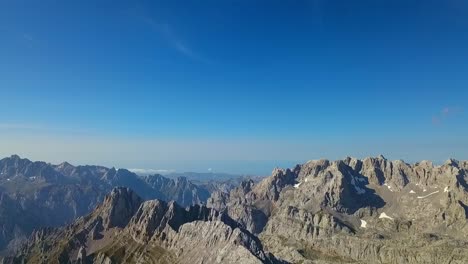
{"type": "Point", "coordinates": [446, 189]}
{"type": "Point", "coordinates": [297, 185]}
{"type": "Point", "coordinates": [421, 197]}
{"type": "Point", "coordinates": [412, 191]}
{"type": "Point", "coordinates": [389, 187]}
{"type": "Point", "coordinates": [8, 179]}
{"type": "Point", "coordinates": [306, 179]}
{"type": "Point", "coordinates": [424, 190]}
{"type": "Point", "coordinates": [363, 224]}
{"type": "Point", "coordinates": [384, 215]}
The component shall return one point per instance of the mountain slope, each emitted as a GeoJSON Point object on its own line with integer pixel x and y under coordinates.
{"type": "Point", "coordinates": [372, 210]}
{"type": "Point", "coordinates": [124, 229]}
{"type": "Point", "coordinates": [53, 195]}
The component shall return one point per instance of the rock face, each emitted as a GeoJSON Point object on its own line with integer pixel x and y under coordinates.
{"type": "Point", "coordinates": [119, 207]}
{"type": "Point", "coordinates": [39, 194]}
{"type": "Point", "coordinates": [180, 189]}
{"type": "Point", "coordinates": [132, 231]}
{"type": "Point", "coordinates": [371, 211]}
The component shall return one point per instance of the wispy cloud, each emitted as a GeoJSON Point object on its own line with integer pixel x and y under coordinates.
{"type": "Point", "coordinates": [446, 113]}
{"type": "Point", "coordinates": [27, 37]}
{"type": "Point", "coordinates": [168, 33]}
{"type": "Point", "coordinates": [24, 38]}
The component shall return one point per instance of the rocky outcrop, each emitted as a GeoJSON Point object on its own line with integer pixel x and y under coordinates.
{"type": "Point", "coordinates": [371, 210]}
{"type": "Point", "coordinates": [180, 190]}
{"type": "Point", "coordinates": [251, 204]}
{"type": "Point", "coordinates": [118, 207]}
{"type": "Point", "coordinates": [130, 230]}
{"type": "Point", "coordinates": [219, 243]}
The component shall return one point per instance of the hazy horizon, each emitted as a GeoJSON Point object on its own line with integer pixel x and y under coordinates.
{"type": "Point", "coordinates": [255, 168]}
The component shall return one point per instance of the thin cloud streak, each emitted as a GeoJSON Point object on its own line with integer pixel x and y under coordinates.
{"type": "Point", "coordinates": [169, 35]}
{"type": "Point", "coordinates": [27, 37]}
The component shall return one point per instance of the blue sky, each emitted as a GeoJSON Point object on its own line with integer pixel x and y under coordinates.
{"type": "Point", "coordinates": [236, 86]}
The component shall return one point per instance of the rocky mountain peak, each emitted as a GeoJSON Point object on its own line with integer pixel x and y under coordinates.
{"type": "Point", "coordinates": [381, 157]}
{"type": "Point", "coordinates": [154, 217]}
{"type": "Point", "coordinates": [15, 160]}
{"type": "Point", "coordinates": [452, 162]}
{"type": "Point", "coordinates": [64, 165]}
{"type": "Point", "coordinates": [158, 232]}
{"type": "Point", "coordinates": [147, 220]}
{"type": "Point", "coordinates": [118, 207]}
{"type": "Point", "coordinates": [181, 180]}
{"type": "Point", "coordinates": [15, 157]}
{"type": "Point", "coordinates": [270, 188]}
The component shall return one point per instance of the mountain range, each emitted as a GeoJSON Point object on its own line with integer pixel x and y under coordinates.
{"type": "Point", "coordinates": [370, 210]}
{"type": "Point", "coordinates": [39, 194]}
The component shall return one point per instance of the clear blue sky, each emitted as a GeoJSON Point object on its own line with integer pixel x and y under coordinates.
{"type": "Point", "coordinates": [237, 86]}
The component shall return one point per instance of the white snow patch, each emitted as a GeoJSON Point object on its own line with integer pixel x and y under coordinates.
{"type": "Point", "coordinates": [297, 185]}
{"type": "Point", "coordinates": [8, 179]}
{"type": "Point", "coordinates": [363, 224]}
{"type": "Point", "coordinates": [421, 197]}
{"type": "Point", "coordinates": [389, 188]}
{"type": "Point", "coordinates": [417, 184]}
{"type": "Point", "coordinates": [306, 179]}
{"type": "Point", "coordinates": [424, 190]}
{"type": "Point", "coordinates": [384, 215]}
{"type": "Point", "coordinates": [412, 191]}
{"type": "Point", "coordinates": [446, 189]}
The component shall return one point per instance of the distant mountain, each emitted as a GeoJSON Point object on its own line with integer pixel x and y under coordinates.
{"type": "Point", "coordinates": [40, 194]}
{"type": "Point", "coordinates": [213, 181]}
{"type": "Point", "coordinates": [204, 177]}
{"type": "Point", "coordinates": [179, 189]}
